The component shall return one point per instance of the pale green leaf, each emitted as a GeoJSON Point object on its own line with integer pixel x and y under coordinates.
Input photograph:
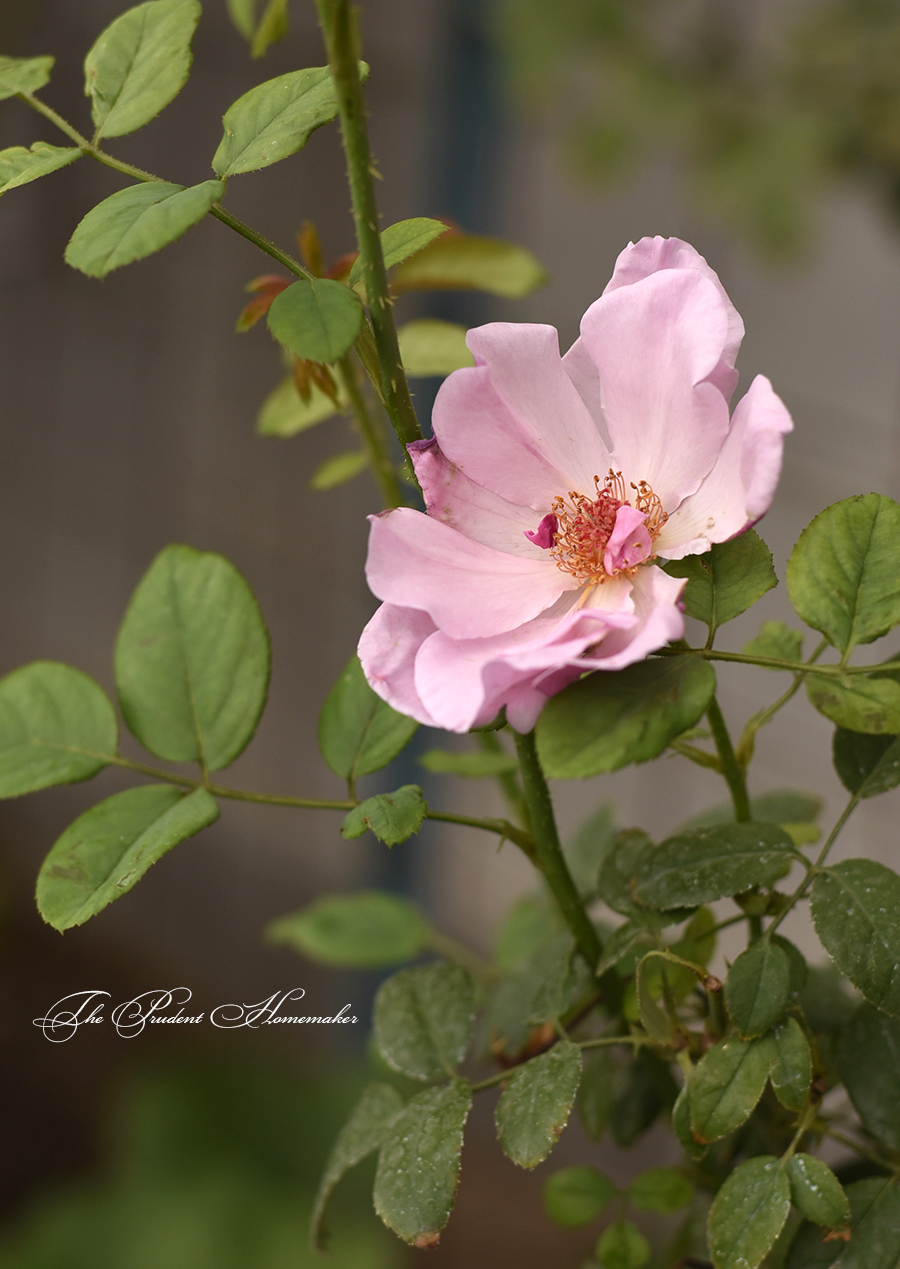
{"type": "Point", "coordinates": [358, 731]}
{"type": "Point", "coordinates": [402, 240]}
{"type": "Point", "coordinates": [23, 74]}
{"type": "Point", "coordinates": [18, 166]}
{"type": "Point", "coordinates": [109, 848]}
{"type": "Point", "coordinates": [857, 702]}
{"type": "Point", "coordinates": [432, 347]}
{"type": "Point", "coordinates": [622, 1246]}
{"type": "Point", "coordinates": [476, 765]}
{"type": "Point", "coordinates": [392, 817]}
{"type": "Point", "coordinates": [139, 63]}
{"type": "Point", "coordinates": [192, 659]}
{"type": "Point", "coordinates": [727, 580]}
{"type": "Point", "coordinates": [662, 1190]}
{"type": "Point", "coordinates": [459, 261]}
{"type": "Point", "coordinates": [776, 640]}
{"type": "Point", "coordinates": [367, 928]}
{"type": "Point", "coordinates": [284, 412]}
{"type": "Point", "coordinates": [135, 222]}
{"type": "Point", "coordinates": [272, 27]}
{"type": "Point", "coordinates": [339, 469]}
{"type": "Point", "coordinates": [576, 1196]}
{"type": "Point", "coordinates": [587, 849]}
{"type": "Point", "coordinates": [56, 726]}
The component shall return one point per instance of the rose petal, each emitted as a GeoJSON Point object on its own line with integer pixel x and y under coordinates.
{"type": "Point", "coordinates": [469, 590]}
{"type": "Point", "coordinates": [476, 512]}
{"type": "Point", "coordinates": [514, 423]}
{"type": "Point", "coordinates": [741, 485]}
{"type": "Point", "coordinates": [660, 620]}
{"type": "Point", "coordinates": [629, 543]}
{"type": "Point", "coordinates": [387, 652]}
{"type": "Point", "coordinates": [654, 343]}
{"type": "Point", "coordinates": [651, 255]}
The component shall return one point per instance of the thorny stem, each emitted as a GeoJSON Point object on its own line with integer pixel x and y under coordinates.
{"type": "Point", "coordinates": [731, 768]}
{"type": "Point", "coordinates": [372, 438]}
{"type": "Point", "coordinates": [338, 24]}
{"type": "Point", "coordinates": [548, 856]}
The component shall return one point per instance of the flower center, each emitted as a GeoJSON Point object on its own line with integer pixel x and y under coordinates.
{"type": "Point", "coordinates": [612, 533]}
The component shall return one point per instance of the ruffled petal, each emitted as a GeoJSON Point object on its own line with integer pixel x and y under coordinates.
{"type": "Point", "coordinates": [387, 652]}
{"type": "Point", "coordinates": [654, 344]}
{"type": "Point", "coordinates": [651, 255]}
{"type": "Point", "coordinates": [741, 485]}
{"type": "Point", "coordinates": [483, 516]}
{"type": "Point", "coordinates": [469, 590]}
{"type": "Point", "coordinates": [659, 620]}
{"type": "Point", "coordinates": [514, 423]}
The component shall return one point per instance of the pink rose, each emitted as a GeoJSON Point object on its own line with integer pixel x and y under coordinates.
{"type": "Point", "coordinates": [553, 483]}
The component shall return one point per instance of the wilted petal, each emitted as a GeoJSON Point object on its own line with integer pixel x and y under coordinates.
{"type": "Point", "coordinates": [651, 255]}
{"type": "Point", "coordinates": [476, 512]}
{"type": "Point", "coordinates": [387, 652]}
{"type": "Point", "coordinates": [741, 485]}
{"type": "Point", "coordinates": [469, 590]}
{"type": "Point", "coordinates": [514, 423]}
{"type": "Point", "coordinates": [654, 345]}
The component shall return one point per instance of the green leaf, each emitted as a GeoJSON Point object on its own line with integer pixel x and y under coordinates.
{"type": "Point", "coordinates": [712, 863]}
{"type": "Point", "coordinates": [535, 1107]}
{"type": "Point", "coordinates": [243, 15]}
{"type": "Point", "coordinates": [136, 221]}
{"type": "Point", "coordinates": [543, 988]}
{"type": "Point", "coordinates": [856, 911]}
{"type": "Point", "coordinates": [475, 765]}
{"type": "Point", "coordinates": [727, 580]}
{"type": "Point", "coordinates": [18, 166]}
{"type": "Point", "coordinates": [316, 319]}
{"type": "Point", "coordinates": [432, 347]}
{"type": "Point", "coordinates": [358, 930]}
{"type": "Point", "coordinates": [418, 1168]}
{"type": "Point", "coordinates": [867, 765]}
{"type": "Point", "coordinates": [109, 848]}
{"type": "Point", "coordinates": [529, 923]}
{"type": "Point", "coordinates": [465, 262]}
{"type": "Point", "coordinates": [273, 26]}
{"type": "Point", "coordinates": [192, 659]}
{"type": "Point", "coordinates": [596, 1092]}
{"type": "Point", "coordinates": [726, 1085]}
{"type": "Point", "coordinates": [875, 1225]}
{"type": "Point", "coordinates": [56, 726]}
{"type": "Point", "coordinates": [790, 1064]}
{"type": "Point", "coordinates": [842, 576]}
{"type": "Point", "coordinates": [816, 1192]}
{"type": "Point", "coordinates": [748, 1213]}
{"type": "Point", "coordinates": [139, 63]}
{"type": "Point", "coordinates": [392, 817]}
{"type": "Point", "coordinates": [780, 806]}
{"type": "Point", "coordinates": [23, 74]}
{"type": "Point", "coordinates": [576, 1196]}
{"type": "Point", "coordinates": [610, 719]}
{"type": "Point", "coordinates": [622, 1246]}
{"type": "Point", "coordinates": [361, 1135]}
{"type": "Point", "coordinates": [797, 962]}
{"type": "Point", "coordinates": [359, 732]}
{"type": "Point", "coordinates": [857, 702]}
{"type": "Point", "coordinates": [651, 982]}
{"type": "Point", "coordinates": [643, 1086]}
{"type": "Point", "coordinates": [681, 1126]}
{"type": "Point", "coordinates": [758, 988]}
{"type": "Point", "coordinates": [618, 870]}
{"type": "Point", "coordinates": [274, 120]}
{"type": "Point", "coordinates": [662, 1190]}
{"type": "Point", "coordinates": [338, 470]}
{"type": "Point", "coordinates": [867, 1059]}
{"type": "Point", "coordinates": [402, 240]}
{"type": "Point", "coordinates": [284, 412]}
{"type": "Point", "coordinates": [586, 851]}
{"type": "Point", "coordinates": [423, 1020]}
{"type": "Point", "coordinates": [776, 640]}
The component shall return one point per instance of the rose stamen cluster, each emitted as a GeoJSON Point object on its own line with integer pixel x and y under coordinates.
{"type": "Point", "coordinates": [586, 530]}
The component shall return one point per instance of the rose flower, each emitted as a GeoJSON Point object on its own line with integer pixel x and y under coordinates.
{"type": "Point", "coordinates": [554, 484]}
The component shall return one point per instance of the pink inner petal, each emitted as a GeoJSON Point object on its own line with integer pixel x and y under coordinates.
{"type": "Point", "coordinates": [629, 543]}
{"type": "Point", "coordinates": [545, 533]}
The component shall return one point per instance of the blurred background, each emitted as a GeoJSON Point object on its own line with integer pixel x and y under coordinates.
{"type": "Point", "coordinates": [767, 133]}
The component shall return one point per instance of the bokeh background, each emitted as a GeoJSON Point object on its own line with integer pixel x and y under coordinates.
{"type": "Point", "coordinates": [766, 132]}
